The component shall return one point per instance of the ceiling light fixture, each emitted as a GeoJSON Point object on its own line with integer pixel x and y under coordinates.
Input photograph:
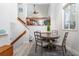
{"type": "Point", "coordinates": [35, 12]}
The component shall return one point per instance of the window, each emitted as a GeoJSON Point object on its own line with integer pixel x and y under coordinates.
{"type": "Point", "coordinates": [71, 16]}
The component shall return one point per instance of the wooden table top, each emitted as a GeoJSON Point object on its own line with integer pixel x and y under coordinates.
{"type": "Point", "coordinates": [48, 35]}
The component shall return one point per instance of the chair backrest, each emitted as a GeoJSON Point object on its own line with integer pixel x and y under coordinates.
{"type": "Point", "coordinates": [37, 35]}
{"type": "Point", "coordinates": [55, 32]}
{"type": "Point", "coordinates": [64, 39]}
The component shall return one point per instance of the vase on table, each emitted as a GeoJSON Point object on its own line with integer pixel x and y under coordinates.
{"type": "Point", "coordinates": [48, 26]}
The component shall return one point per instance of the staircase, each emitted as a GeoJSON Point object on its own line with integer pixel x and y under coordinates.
{"type": "Point", "coordinates": [8, 50]}
{"type": "Point", "coordinates": [24, 24]}
{"type": "Point", "coordinates": [21, 48]}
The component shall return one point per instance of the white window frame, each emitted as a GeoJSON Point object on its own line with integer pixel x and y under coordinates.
{"type": "Point", "coordinates": [63, 20]}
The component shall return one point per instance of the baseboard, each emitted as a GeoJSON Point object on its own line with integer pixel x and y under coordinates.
{"type": "Point", "coordinates": [74, 52]}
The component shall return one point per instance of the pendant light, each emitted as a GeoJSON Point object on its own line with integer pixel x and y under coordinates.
{"type": "Point", "coordinates": [35, 12]}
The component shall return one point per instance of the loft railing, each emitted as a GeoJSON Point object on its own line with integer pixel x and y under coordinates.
{"type": "Point", "coordinates": [22, 22]}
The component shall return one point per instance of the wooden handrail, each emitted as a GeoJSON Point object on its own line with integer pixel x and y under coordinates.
{"type": "Point", "coordinates": [24, 32]}
{"type": "Point", "coordinates": [7, 50]}
{"type": "Point", "coordinates": [38, 18]}
{"type": "Point", "coordinates": [21, 20]}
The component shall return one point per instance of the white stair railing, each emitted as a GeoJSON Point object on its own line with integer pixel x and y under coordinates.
{"type": "Point", "coordinates": [21, 21]}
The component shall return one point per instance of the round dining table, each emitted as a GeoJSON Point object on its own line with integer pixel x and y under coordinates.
{"type": "Point", "coordinates": [50, 37]}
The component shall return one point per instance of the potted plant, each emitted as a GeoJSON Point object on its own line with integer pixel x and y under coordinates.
{"type": "Point", "coordinates": [48, 26]}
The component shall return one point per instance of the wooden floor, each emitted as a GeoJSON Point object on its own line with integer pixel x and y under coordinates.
{"type": "Point", "coordinates": [25, 48]}
{"type": "Point", "coordinates": [47, 52]}
{"type": "Point", "coordinates": [28, 50]}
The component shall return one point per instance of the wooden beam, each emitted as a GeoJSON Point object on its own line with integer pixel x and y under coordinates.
{"type": "Point", "coordinates": [24, 32]}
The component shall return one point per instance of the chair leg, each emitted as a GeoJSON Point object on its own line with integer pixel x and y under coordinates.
{"type": "Point", "coordinates": [41, 51]}
{"type": "Point", "coordinates": [63, 50]}
{"type": "Point", "coordinates": [35, 47]}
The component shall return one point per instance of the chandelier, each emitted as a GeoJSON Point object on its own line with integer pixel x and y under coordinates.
{"type": "Point", "coordinates": [35, 12]}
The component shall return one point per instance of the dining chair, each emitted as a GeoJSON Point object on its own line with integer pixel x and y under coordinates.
{"type": "Point", "coordinates": [55, 32]}
{"type": "Point", "coordinates": [63, 44]}
{"type": "Point", "coordinates": [39, 41]}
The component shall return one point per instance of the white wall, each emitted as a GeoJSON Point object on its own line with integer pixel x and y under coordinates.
{"type": "Point", "coordinates": [53, 14]}
{"type": "Point", "coordinates": [6, 14]}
